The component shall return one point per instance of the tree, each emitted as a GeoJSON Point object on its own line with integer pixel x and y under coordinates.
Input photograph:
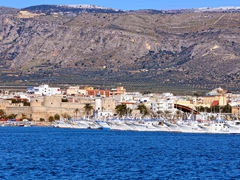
{"type": "Point", "coordinates": [12, 116]}
{"type": "Point", "coordinates": [2, 113]}
{"type": "Point", "coordinates": [227, 109]}
{"type": "Point", "coordinates": [66, 116]}
{"type": "Point", "coordinates": [42, 119]}
{"type": "Point", "coordinates": [121, 109]}
{"type": "Point", "coordinates": [56, 117]}
{"type": "Point", "coordinates": [129, 111]}
{"type": "Point", "coordinates": [167, 113]}
{"type": "Point", "coordinates": [201, 109]}
{"type": "Point", "coordinates": [76, 111]}
{"type": "Point", "coordinates": [159, 112]}
{"type": "Point", "coordinates": [24, 116]}
{"type": "Point", "coordinates": [26, 103]}
{"type": "Point", "coordinates": [143, 109]}
{"type": "Point", "coordinates": [51, 119]}
{"type": "Point", "coordinates": [88, 108]}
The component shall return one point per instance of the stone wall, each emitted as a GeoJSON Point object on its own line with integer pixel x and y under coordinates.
{"type": "Point", "coordinates": [43, 107]}
{"type": "Point", "coordinates": [27, 110]}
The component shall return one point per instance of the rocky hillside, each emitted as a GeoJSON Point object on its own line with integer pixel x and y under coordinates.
{"type": "Point", "coordinates": [147, 49]}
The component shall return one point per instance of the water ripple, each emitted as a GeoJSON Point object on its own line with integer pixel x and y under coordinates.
{"type": "Point", "coordinates": [48, 153]}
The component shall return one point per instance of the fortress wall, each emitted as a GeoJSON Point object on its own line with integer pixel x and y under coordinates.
{"type": "Point", "coordinates": [52, 101]}
{"type": "Point", "coordinates": [108, 103]}
{"type": "Point", "coordinates": [19, 111]}
{"type": "Point", "coordinates": [37, 101]}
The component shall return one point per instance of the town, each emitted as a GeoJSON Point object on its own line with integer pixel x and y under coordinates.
{"type": "Point", "coordinates": [45, 105]}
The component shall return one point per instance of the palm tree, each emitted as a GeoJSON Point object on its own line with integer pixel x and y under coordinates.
{"type": "Point", "coordinates": [121, 109]}
{"type": "Point", "coordinates": [168, 113]}
{"type": "Point", "coordinates": [66, 116]}
{"type": "Point", "coordinates": [88, 109]}
{"type": "Point", "coordinates": [159, 113]}
{"type": "Point", "coordinates": [12, 116]}
{"type": "Point", "coordinates": [2, 113]}
{"type": "Point", "coordinates": [24, 116]}
{"type": "Point", "coordinates": [76, 111]}
{"type": "Point", "coordinates": [129, 111]}
{"type": "Point", "coordinates": [143, 109]}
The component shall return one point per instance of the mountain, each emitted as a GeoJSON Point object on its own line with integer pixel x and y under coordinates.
{"type": "Point", "coordinates": [70, 9]}
{"type": "Point", "coordinates": [8, 10]}
{"type": "Point", "coordinates": [146, 50]}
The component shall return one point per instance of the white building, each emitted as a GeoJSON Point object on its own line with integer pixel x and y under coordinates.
{"type": "Point", "coordinates": [44, 90]}
{"type": "Point", "coordinates": [124, 98]}
{"type": "Point", "coordinates": [162, 105]}
{"type": "Point", "coordinates": [75, 90]}
{"type": "Point", "coordinates": [164, 102]}
{"type": "Point", "coordinates": [99, 112]}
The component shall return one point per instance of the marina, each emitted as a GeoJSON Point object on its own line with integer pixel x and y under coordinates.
{"type": "Point", "coordinates": [217, 126]}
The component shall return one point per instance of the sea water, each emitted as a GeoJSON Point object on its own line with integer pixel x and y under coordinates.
{"type": "Point", "coordinates": [52, 153]}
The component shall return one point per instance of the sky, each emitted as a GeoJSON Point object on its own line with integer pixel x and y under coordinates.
{"type": "Point", "coordinates": [128, 4]}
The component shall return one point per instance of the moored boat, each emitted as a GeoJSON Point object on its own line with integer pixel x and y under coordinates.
{"type": "Point", "coordinates": [189, 127]}
{"type": "Point", "coordinates": [233, 126]}
{"type": "Point", "coordinates": [173, 126]}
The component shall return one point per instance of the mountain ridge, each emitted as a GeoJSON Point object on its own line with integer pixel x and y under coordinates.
{"type": "Point", "coordinates": [139, 49]}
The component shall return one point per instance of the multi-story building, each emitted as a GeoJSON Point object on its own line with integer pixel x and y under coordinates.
{"type": "Point", "coordinates": [43, 90]}
{"type": "Point", "coordinates": [215, 97]}
{"type": "Point", "coordinates": [118, 90]}
{"type": "Point", "coordinates": [162, 105]}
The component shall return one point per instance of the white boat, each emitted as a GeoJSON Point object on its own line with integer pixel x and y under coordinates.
{"type": "Point", "coordinates": [138, 126]}
{"type": "Point", "coordinates": [118, 124]}
{"type": "Point", "coordinates": [189, 127]}
{"type": "Point", "coordinates": [233, 126]}
{"type": "Point", "coordinates": [80, 125]}
{"type": "Point", "coordinates": [131, 125]}
{"type": "Point", "coordinates": [123, 126]}
{"type": "Point", "coordinates": [155, 126]}
{"type": "Point", "coordinates": [215, 127]}
{"type": "Point", "coordinates": [93, 125]}
{"type": "Point", "coordinates": [61, 124]}
{"type": "Point", "coordinates": [161, 126]}
{"type": "Point", "coordinates": [103, 125]}
{"type": "Point", "coordinates": [173, 127]}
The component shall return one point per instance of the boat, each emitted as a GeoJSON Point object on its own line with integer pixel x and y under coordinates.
{"type": "Point", "coordinates": [233, 126]}
{"type": "Point", "coordinates": [123, 125]}
{"type": "Point", "coordinates": [79, 125]}
{"type": "Point", "coordinates": [62, 124]}
{"type": "Point", "coordinates": [216, 126]}
{"type": "Point", "coordinates": [173, 127]}
{"type": "Point", "coordinates": [161, 126]}
{"type": "Point", "coordinates": [93, 125]}
{"type": "Point", "coordinates": [103, 125]}
{"type": "Point", "coordinates": [189, 127]}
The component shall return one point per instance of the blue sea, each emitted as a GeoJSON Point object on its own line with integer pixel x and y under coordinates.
{"type": "Point", "coordinates": [52, 153]}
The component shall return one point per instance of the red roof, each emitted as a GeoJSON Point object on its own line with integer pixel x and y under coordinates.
{"type": "Point", "coordinates": [215, 103]}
